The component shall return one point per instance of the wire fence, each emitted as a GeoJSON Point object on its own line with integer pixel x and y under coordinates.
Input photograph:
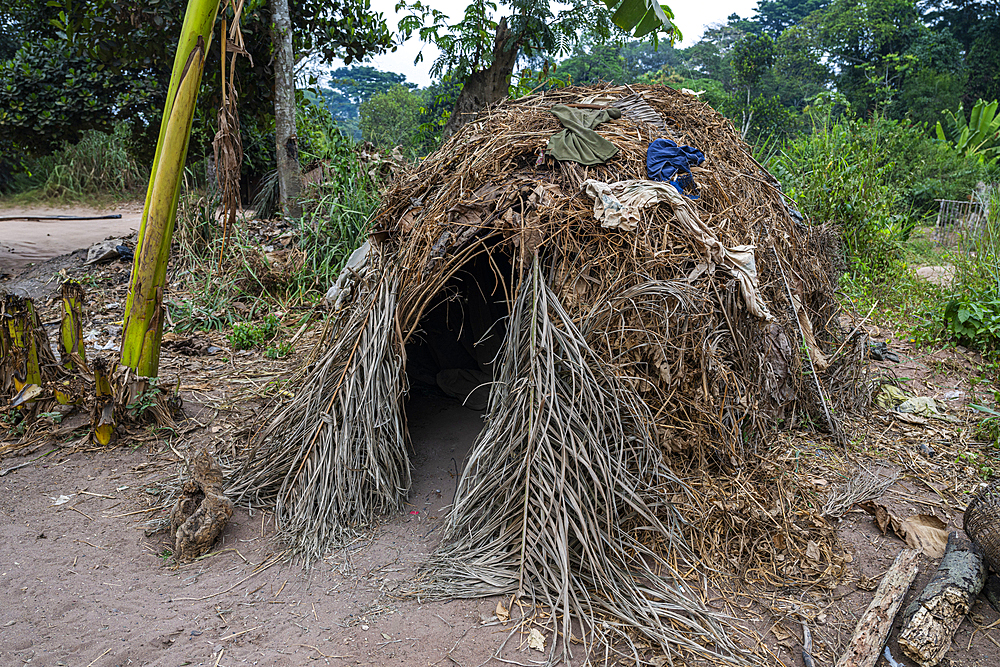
{"type": "Point", "coordinates": [959, 221]}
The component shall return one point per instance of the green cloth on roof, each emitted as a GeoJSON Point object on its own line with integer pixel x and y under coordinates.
{"type": "Point", "coordinates": [578, 142]}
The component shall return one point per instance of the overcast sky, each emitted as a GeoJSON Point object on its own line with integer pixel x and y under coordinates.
{"type": "Point", "coordinates": [692, 17]}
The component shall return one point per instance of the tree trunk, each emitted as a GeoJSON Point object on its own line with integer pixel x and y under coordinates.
{"type": "Point", "coordinates": [932, 618]}
{"type": "Point", "coordinates": [286, 141]}
{"type": "Point", "coordinates": [487, 86]}
{"type": "Point", "coordinates": [865, 647]}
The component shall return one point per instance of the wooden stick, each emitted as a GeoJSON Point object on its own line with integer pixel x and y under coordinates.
{"type": "Point", "coordinates": [237, 634]}
{"type": "Point", "coordinates": [865, 647]}
{"type": "Point", "coordinates": [99, 657]}
{"type": "Point", "coordinates": [930, 621]}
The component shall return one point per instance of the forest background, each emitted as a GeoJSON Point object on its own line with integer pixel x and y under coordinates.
{"type": "Point", "coordinates": [868, 112]}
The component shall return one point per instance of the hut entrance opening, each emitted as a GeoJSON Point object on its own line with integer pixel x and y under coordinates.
{"type": "Point", "coordinates": [458, 339]}
{"type": "Point", "coordinates": [449, 364]}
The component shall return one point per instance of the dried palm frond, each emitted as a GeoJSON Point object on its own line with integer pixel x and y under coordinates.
{"type": "Point", "coordinates": [334, 458]}
{"type": "Point", "coordinates": [571, 447]}
{"type": "Point", "coordinates": [864, 485]}
{"type": "Point", "coordinates": [227, 145]}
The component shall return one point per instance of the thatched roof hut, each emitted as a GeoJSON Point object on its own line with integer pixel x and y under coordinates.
{"type": "Point", "coordinates": [607, 320]}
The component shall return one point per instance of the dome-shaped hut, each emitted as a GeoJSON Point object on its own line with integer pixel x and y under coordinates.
{"type": "Point", "coordinates": [603, 319]}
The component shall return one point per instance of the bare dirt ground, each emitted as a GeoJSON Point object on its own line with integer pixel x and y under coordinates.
{"type": "Point", "coordinates": [85, 585]}
{"type": "Point", "coordinates": [26, 241]}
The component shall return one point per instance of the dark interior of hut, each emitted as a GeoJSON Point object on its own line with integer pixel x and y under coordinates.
{"type": "Point", "coordinates": [459, 337]}
{"type": "Point", "coordinates": [449, 365]}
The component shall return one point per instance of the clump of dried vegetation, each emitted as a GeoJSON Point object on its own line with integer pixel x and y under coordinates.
{"type": "Point", "coordinates": [635, 397]}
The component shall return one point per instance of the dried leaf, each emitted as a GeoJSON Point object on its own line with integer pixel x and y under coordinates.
{"type": "Point", "coordinates": [880, 512]}
{"type": "Point", "coordinates": [926, 533]}
{"type": "Point", "coordinates": [503, 614]}
{"type": "Point", "coordinates": [812, 552]}
{"type": "Point", "coordinates": [909, 418]}
{"type": "Point", "coordinates": [781, 634]}
{"type": "Point", "coordinates": [536, 640]}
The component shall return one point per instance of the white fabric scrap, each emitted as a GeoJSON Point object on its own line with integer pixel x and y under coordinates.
{"type": "Point", "coordinates": [620, 205]}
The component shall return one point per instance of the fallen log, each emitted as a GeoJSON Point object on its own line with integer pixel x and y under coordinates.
{"type": "Point", "coordinates": [930, 621]}
{"type": "Point", "coordinates": [865, 647]}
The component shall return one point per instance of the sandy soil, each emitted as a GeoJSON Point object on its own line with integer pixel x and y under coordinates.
{"type": "Point", "coordinates": [85, 586]}
{"type": "Point", "coordinates": [26, 241]}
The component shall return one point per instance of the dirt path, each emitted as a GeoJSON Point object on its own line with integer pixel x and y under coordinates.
{"type": "Point", "coordinates": [83, 585]}
{"type": "Point", "coordinates": [25, 241]}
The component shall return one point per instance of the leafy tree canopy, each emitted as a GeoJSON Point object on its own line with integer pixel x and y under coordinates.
{"type": "Point", "coordinates": [390, 119]}
{"type": "Point", "coordinates": [642, 57]}
{"type": "Point", "coordinates": [603, 63]}
{"type": "Point", "coordinates": [133, 40]}
{"type": "Point", "coordinates": [358, 84]}
{"type": "Point", "coordinates": [774, 16]}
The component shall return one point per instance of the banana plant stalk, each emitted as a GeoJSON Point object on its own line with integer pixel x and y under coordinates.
{"type": "Point", "coordinates": [143, 326]}
{"type": "Point", "coordinates": [72, 348]}
{"type": "Point", "coordinates": [27, 356]}
{"type": "Point", "coordinates": [6, 356]}
{"type": "Point", "coordinates": [103, 417]}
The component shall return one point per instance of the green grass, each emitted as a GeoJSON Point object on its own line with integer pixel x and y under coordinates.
{"type": "Point", "coordinates": [95, 171]}
{"type": "Point", "coordinates": [909, 304]}
{"type": "Point", "coordinates": [922, 250]}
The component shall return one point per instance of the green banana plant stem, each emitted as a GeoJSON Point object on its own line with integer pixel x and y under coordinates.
{"type": "Point", "coordinates": [143, 326]}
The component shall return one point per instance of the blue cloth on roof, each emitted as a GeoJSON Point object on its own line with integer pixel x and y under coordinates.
{"type": "Point", "coordinates": [668, 162]}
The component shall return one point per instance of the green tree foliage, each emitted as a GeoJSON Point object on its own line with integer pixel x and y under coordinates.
{"type": "Point", "coordinates": [983, 61]}
{"type": "Point", "coordinates": [134, 41]}
{"type": "Point", "coordinates": [350, 87]}
{"type": "Point", "coordinates": [751, 60]}
{"type": "Point", "coordinates": [737, 67]}
{"type": "Point", "coordinates": [50, 93]}
{"type": "Point", "coordinates": [603, 63]}
{"type": "Point", "coordinates": [391, 118]}
{"type": "Point", "coordinates": [360, 83]}
{"type": "Point", "coordinates": [642, 57]}
{"type": "Point", "coordinates": [864, 42]}
{"type": "Point", "coordinates": [776, 16]}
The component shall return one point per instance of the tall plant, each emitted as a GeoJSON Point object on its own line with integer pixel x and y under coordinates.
{"type": "Point", "coordinates": [842, 173]}
{"type": "Point", "coordinates": [979, 135]}
{"type": "Point", "coordinates": [144, 310]}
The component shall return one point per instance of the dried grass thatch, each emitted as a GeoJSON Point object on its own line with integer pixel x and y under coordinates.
{"type": "Point", "coordinates": [620, 345]}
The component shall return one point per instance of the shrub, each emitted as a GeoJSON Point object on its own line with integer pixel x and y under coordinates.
{"type": "Point", "coordinates": [844, 173]}
{"type": "Point", "coordinates": [973, 315]}
{"type": "Point", "coordinates": [248, 335]}
{"type": "Point", "coordinates": [99, 163]}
